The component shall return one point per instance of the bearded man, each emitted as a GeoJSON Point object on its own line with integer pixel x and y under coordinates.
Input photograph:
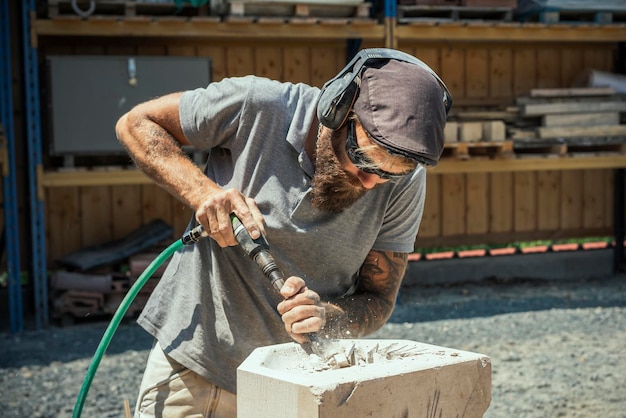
{"type": "Point", "coordinates": [334, 178]}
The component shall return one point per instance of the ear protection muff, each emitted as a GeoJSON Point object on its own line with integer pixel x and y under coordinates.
{"type": "Point", "coordinates": [338, 94]}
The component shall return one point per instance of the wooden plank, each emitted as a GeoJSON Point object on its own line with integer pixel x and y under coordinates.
{"type": "Point", "coordinates": [477, 203]}
{"type": "Point", "coordinates": [524, 70]}
{"type": "Point", "coordinates": [95, 215]}
{"type": "Point", "coordinates": [182, 49]}
{"type": "Point", "coordinates": [571, 199]}
{"type": "Point", "coordinates": [548, 200]}
{"type": "Point", "coordinates": [486, 115]}
{"type": "Point", "coordinates": [126, 208]}
{"type": "Point", "coordinates": [581, 131]}
{"type": "Point", "coordinates": [607, 187]}
{"type": "Point", "coordinates": [548, 68]}
{"type": "Point", "coordinates": [571, 62]}
{"type": "Point", "coordinates": [501, 202]}
{"type": "Point", "coordinates": [453, 204]}
{"type": "Point", "coordinates": [120, 49]}
{"type": "Point", "coordinates": [573, 91]}
{"type": "Point", "coordinates": [181, 215]}
{"type": "Point", "coordinates": [541, 109]}
{"type": "Point", "coordinates": [218, 59]}
{"type": "Point", "coordinates": [500, 72]}
{"type": "Point", "coordinates": [156, 203]}
{"type": "Point", "coordinates": [593, 198]}
{"type": "Point", "coordinates": [212, 28]}
{"type": "Point", "coordinates": [452, 71]}
{"type": "Point", "coordinates": [297, 64]}
{"type": "Point", "coordinates": [269, 62]}
{"type": "Point", "coordinates": [601, 59]}
{"type": "Point", "coordinates": [476, 73]}
{"type": "Point", "coordinates": [508, 165]}
{"type": "Point", "coordinates": [524, 192]}
{"type": "Point", "coordinates": [239, 60]}
{"type": "Point", "coordinates": [431, 219]}
{"type": "Point", "coordinates": [430, 56]}
{"type": "Point", "coordinates": [581, 119]}
{"type": "Point", "coordinates": [327, 63]}
{"type": "Point", "coordinates": [63, 234]}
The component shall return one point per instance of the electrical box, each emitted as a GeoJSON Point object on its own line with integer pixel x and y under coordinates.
{"type": "Point", "coordinates": [88, 94]}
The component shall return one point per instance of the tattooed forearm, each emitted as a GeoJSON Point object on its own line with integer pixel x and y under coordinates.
{"type": "Point", "coordinates": [372, 304]}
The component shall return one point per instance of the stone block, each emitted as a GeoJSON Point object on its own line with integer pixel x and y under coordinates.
{"type": "Point", "coordinates": [470, 131]}
{"type": "Point", "coordinates": [387, 378]}
{"type": "Point", "coordinates": [451, 132]}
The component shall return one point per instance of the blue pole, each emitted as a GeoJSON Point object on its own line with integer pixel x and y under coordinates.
{"type": "Point", "coordinates": [36, 199]}
{"type": "Point", "coordinates": [9, 179]}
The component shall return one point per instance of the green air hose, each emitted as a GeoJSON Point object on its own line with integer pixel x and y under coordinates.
{"type": "Point", "coordinates": [189, 238]}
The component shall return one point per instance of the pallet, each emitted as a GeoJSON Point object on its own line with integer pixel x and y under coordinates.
{"type": "Point", "coordinates": [307, 10]}
{"type": "Point", "coordinates": [569, 147]}
{"type": "Point", "coordinates": [467, 150]}
{"type": "Point", "coordinates": [87, 8]}
{"type": "Point", "coordinates": [575, 16]}
{"type": "Point", "coordinates": [408, 14]}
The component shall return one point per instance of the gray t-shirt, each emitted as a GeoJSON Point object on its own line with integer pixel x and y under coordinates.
{"type": "Point", "coordinates": [213, 305]}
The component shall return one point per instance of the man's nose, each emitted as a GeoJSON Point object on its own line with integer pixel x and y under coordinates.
{"type": "Point", "coordinates": [369, 181]}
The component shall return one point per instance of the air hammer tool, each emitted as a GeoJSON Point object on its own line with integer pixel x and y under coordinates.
{"type": "Point", "coordinates": [258, 250]}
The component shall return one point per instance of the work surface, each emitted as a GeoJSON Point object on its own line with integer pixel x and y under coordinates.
{"type": "Point", "coordinates": [556, 350]}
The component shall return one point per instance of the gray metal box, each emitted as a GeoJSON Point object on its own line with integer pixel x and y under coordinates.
{"type": "Point", "coordinates": [88, 94]}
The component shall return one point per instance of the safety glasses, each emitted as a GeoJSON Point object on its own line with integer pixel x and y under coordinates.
{"type": "Point", "coordinates": [361, 161]}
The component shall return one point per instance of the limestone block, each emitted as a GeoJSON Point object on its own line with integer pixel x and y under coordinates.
{"type": "Point", "coordinates": [470, 131]}
{"type": "Point", "coordinates": [494, 130]}
{"type": "Point", "coordinates": [388, 378]}
{"type": "Point", "coordinates": [451, 132]}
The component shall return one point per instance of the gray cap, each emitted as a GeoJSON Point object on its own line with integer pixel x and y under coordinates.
{"type": "Point", "coordinates": [401, 107]}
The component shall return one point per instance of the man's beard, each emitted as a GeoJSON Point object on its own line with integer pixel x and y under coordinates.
{"type": "Point", "coordinates": [332, 188]}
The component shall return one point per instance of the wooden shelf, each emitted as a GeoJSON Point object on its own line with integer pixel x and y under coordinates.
{"type": "Point", "coordinates": [199, 28]}
{"type": "Point", "coordinates": [366, 29]}
{"type": "Point", "coordinates": [92, 178]}
{"type": "Point", "coordinates": [82, 178]}
{"type": "Point", "coordinates": [477, 165]}
{"type": "Point", "coordinates": [511, 32]}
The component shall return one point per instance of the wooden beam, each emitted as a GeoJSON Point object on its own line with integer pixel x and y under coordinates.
{"type": "Point", "coordinates": [446, 166]}
{"type": "Point", "coordinates": [207, 28]}
{"type": "Point", "coordinates": [449, 166]}
{"type": "Point", "coordinates": [93, 178]}
{"type": "Point", "coordinates": [510, 32]}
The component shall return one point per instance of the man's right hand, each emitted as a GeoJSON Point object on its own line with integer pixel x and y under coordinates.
{"type": "Point", "coordinates": [214, 211]}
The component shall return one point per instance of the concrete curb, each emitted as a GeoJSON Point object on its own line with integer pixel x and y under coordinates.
{"type": "Point", "coordinates": [587, 264]}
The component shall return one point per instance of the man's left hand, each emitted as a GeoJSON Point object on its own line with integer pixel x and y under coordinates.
{"type": "Point", "coordinates": [301, 310]}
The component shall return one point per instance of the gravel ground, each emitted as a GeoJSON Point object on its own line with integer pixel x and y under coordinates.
{"type": "Point", "coordinates": [557, 350]}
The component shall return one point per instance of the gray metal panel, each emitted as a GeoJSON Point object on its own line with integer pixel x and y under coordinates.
{"type": "Point", "coordinates": [88, 94]}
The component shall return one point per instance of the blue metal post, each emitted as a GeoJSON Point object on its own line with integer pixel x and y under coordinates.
{"type": "Point", "coordinates": [390, 23]}
{"type": "Point", "coordinates": [33, 135]}
{"type": "Point", "coordinates": [9, 174]}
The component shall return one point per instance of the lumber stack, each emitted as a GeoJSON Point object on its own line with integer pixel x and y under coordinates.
{"type": "Point", "coordinates": [569, 120]}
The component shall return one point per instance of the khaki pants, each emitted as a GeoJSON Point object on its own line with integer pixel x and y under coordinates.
{"type": "Point", "coordinates": [170, 390]}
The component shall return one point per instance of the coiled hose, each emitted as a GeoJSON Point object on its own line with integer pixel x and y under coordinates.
{"type": "Point", "coordinates": [189, 238]}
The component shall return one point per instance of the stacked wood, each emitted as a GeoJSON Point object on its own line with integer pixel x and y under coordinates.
{"type": "Point", "coordinates": [574, 117]}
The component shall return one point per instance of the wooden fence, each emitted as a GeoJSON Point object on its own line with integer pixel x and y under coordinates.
{"type": "Point", "coordinates": [462, 208]}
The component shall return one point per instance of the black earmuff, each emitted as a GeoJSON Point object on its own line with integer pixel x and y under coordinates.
{"type": "Point", "coordinates": [338, 94]}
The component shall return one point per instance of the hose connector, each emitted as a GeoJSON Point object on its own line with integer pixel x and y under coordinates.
{"type": "Point", "coordinates": [193, 236]}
